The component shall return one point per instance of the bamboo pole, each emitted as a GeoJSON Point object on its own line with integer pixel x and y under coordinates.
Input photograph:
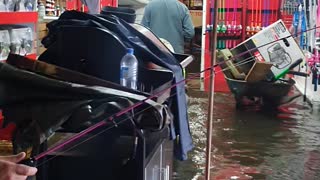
{"type": "Point", "coordinates": [211, 93]}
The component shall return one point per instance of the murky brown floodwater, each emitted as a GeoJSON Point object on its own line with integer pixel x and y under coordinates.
{"type": "Point", "coordinates": [252, 143]}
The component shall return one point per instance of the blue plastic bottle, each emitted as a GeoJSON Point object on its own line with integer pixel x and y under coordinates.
{"type": "Point", "coordinates": [129, 70]}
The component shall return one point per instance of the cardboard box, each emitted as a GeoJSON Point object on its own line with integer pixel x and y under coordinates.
{"type": "Point", "coordinates": [273, 44]}
{"type": "Point", "coordinates": [196, 16]}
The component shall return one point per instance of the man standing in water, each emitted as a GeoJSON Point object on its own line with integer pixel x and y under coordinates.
{"type": "Point", "coordinates": [170, 20]}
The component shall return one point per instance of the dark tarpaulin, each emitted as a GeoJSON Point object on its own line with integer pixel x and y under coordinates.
{"type": "Point", "coordinates": [39, 105]}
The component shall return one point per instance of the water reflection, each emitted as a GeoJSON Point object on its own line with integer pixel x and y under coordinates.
{"type": "Point", "coordinates": [254, 143]}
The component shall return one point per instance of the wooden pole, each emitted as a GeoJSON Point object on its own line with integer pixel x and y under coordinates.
{"type": "Point", "coordinates": [214, 41]}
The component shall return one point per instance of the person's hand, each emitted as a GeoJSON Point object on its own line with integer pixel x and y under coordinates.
{"type": "Point", "coordinates": [10, 170]}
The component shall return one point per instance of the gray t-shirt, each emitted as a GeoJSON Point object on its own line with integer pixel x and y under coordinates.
{"type": "Point", "coordinates": [93, 6]}
{"type": "Point", "coordinates": [170, 20]}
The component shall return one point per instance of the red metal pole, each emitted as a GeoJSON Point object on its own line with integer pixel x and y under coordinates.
{"type": "Point", "coordinates": [244, 18]}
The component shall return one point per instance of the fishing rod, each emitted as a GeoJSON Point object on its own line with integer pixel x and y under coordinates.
{"type": "Point", "coordinates": [113, 117]}
{"type": "Point", "coordinates": [253, 18]}
{"type": "Point", "coordinates": [268, 13]}
{"type": "Point", "coordinates": [296, 16]}
{"type": "Point", "coordinates": [265, 8]}
{"type": "Point", "coordinates": [256, 27]}
{"type": "Point", "coordinates": [260, 17]}
{"type": "Point", "coordinates": [234, 22]}
{"type": "Point", "coordinates": [220, 29]}
{"type": "Point", "coordinates": [249, 28]}
{"type": "Point", "coordinates": [229, 26]}
{"type": "Point", "coordinates": [224, 27]}
{"type": "Point", "coordinates": [305, 25]}
{"type": "Point", "coordinates": [238, 25]}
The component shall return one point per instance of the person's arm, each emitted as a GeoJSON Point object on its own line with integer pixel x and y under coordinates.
{"type": "Point", "coordinates": [146, 17]}
{"type": "Point", "coordinates": [188, 28]}
{"type": "Point", "coordinates": [9, 169]}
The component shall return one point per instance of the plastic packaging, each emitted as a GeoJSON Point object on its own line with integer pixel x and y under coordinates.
{"type": "Point", "coordinates": [4, 44]}
{"type": "Point", "coordinates": [21, 39]}
{"type": "Point", "coordinates": [2, 6]}
{"type": "Point", "coordinates": [129, 70]}
{"type": "Point", "coordinates": [41, 10]}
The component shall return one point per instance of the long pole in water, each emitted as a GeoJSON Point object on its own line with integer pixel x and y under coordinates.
{"type": "Point", "coordinates": [211, 94]}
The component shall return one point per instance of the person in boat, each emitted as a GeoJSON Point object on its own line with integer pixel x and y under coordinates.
{"type": "Point", "coordinates": [170, 20]}
{"type": "Point", "coordinates": [11, 170]}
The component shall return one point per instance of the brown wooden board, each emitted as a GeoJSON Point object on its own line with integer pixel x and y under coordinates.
{"type": "Point", "coordinates": [258, 71]}
{"type": "Point", "coordinates": [42, 26]}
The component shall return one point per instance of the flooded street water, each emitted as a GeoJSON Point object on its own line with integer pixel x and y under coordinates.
{"type": "Point", "coordinates": [254, 143]}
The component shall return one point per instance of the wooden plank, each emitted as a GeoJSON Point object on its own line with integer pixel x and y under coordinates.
{"type": "Point", "coordinates": [258, 71]}
{"type": "Point", "coordinates": [42, 26]}
{"type": "Point", "coordinates": [41, 50]}
{"type": "Point", "coordinates": [196, 17]}
{"type": "Point", "coordinates": [42, 34]}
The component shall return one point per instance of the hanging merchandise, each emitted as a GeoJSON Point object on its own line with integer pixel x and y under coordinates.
{"type": "Point", "coordinates": [297, 21]}
{"type": "Point", "coordinates": [266, 14]}
{"type": "Point", "coordinates": [218, 25]}
{"type": "Point", "coordinates": [313, 22]}
{"type": "Point", "coordinates": [296, 17]}
{"type": "Point", "coordinates": [288, 13]}
{"type": "Point", "coordinates": [41, 10]}
{"type": "Point", "coordinates": [4, 44]}
{"type": "Point", "coordinates": [314, 61]}
{"type": "Point", "coordinates": [224, 26]}
{"type": "Point", "coordinates": [50, 4]}
{"type": "Point", "coordinates": [302, 26]}
{"type": "Point", "coordinates": [317, 24]}
{"type": "Point", "coordinates": [303, 36]}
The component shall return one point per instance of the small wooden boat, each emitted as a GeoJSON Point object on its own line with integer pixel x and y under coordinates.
{"type": "Point", "coordinates": [270, 93]}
